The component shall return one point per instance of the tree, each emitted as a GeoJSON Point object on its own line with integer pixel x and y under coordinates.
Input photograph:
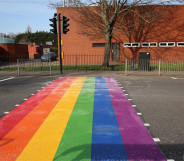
{"type": "Point", "coordinates": [103, 18]}
{"type": "Point", "coordinates": [28, 30]}
{"type": "Point", "coordinates": [40, 37]}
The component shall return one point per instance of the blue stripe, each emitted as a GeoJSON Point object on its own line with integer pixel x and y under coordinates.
{"type": "Point", "coordinates": [107, 143]}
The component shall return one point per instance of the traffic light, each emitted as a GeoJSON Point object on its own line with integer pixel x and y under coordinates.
{"type": "Point", "coordinates": [65, 24]}
{"type": "Point", "coordinates": [54, 24]}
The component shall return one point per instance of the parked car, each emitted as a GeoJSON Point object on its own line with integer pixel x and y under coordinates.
{"type": "Point", "coordinates": [49, 56]}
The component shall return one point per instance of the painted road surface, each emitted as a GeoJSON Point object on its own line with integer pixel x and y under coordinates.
{"type": "Point", "coordinates": [74, 119]}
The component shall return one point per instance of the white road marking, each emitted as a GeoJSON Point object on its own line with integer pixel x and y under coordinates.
{"type": "Point", "coordinates": [130, 99]}
{"type": "Point", "coordinates": [121, 87]}
{"type": "Point", "coordinates": [17, 105]}
{"type": "Point", "coordinates": [156, 139]}
{"type": "Point", "coordinates": [6, 113]}
{"type": "Point", "coordinates": [170, 160]}
{"type": "Point", "coordinates": [176, 78]}
{"type": "Point", "coordinates": [146, 124]}
{"type": "Point", "coordinates": [133, 105]}
{"type": "Point", "coordinates": [6, 79]}
{"type": "Point", "coordinates": [25, 99]}
{"type": "Point", "coordinates": [173, 78]}
{"type": "Point", "coordinates": [126, 94]}
{"type": "Point", "coordinates": [140, 114]}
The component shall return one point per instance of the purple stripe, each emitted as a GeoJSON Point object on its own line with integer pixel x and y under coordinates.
{"type": "Point", "coordinates": [138, 142]}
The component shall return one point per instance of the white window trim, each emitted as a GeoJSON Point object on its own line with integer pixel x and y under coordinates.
{"type": "Point", "coordinates": [167, 44]}
{"type": "Point", "coordinates": [127, 45]}
{"type": "Point", "coordinates": [131, 44]}
{"type": "Point", "coordinates": [148, 44]}
{"type": "Point", "coordinates": [180, 45]}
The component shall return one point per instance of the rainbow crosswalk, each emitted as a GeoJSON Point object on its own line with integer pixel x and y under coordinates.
{"type": "Point", "coordinates": [74, 119]}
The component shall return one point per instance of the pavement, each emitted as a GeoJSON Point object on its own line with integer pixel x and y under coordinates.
{"type": "Point", "coordinates": [158, 99]}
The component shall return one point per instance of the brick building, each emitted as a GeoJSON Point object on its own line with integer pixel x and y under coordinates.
{"type": "Point", "coordinates": [163, 38]}
{"type": "Point", "coordinates": [12, 52]}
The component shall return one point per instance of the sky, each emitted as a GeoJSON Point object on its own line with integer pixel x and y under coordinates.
{"type": "Point", "coordinates": [16, 15]}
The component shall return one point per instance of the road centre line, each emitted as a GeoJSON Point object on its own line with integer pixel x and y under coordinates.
{"type": "Point", "coordinates": [6, 79]}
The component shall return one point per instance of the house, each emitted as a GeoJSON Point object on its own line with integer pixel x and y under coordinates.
{"type": "Point", "coordinates": [162, 36]}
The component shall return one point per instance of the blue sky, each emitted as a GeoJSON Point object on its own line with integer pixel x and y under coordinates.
{"type": "Point", "coordinates": [16, 15]}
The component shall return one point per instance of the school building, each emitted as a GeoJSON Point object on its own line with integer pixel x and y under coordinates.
{"type": "Point", "coordinates": [162, 36]}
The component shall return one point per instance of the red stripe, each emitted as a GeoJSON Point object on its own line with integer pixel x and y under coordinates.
{"type": "Point", "coordinates": [15, 116]}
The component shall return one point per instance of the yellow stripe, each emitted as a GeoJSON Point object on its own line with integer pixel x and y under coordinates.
{"type": "Point", "coordinates": [44, 144]}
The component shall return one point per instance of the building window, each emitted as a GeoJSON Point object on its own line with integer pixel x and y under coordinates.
{"type": "Point", "coordinates": [98, 45]}
{"type": "Point", "coordinates": [127, 45]}
{"type": "Point", "coordinates": [149, 44]}
{"type": "Point", "coordinates": [167, 44]}
{"type": "Point", "coordinates": [133, 44]}
{"type": "Point", "coordinates": [180, 44]}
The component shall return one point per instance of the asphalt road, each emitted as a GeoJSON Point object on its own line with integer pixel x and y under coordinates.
{"type": "Point", "coordinates": [159, 99]}
{"type": "Point", "coordinates": [14, 91]}
{"type": "Point", "coordinates": [161, 102]}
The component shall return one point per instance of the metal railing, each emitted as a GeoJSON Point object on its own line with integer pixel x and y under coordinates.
{"type": "Point", "coordinates": [95, 61]}
{"type": "Point", "coordinates": [154, 67]}
{"type": "Point", "coordinates": [33, 65]}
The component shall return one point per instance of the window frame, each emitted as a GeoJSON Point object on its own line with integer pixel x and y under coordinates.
{"type": "Point", "coordinates": [149, 44]}
{"type": "Point", "coordinates": [131, 44]}
{"type": "Point", "coordinates": [180, 45]}
{"type": "Point", "coordinates": [167, 44]}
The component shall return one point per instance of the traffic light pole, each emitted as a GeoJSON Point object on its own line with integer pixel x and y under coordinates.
{"type": "Point", "coordinates": [60, 56]}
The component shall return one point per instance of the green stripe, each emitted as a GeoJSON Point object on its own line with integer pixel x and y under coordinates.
{"type": "Point", "coordinates": [75, 144]}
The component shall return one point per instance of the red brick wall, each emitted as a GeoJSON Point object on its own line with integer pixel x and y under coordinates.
{"type": "Point", "coordinates": [168, 29]}
{"type": "Point", "coordinates": [35, 51]}
{"type": "Point", "coordinates": [12, 52]}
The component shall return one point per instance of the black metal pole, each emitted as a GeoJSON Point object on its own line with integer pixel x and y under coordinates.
{"type": "Point", "coordinates": [60, 50]}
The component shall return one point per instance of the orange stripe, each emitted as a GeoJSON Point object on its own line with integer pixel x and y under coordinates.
{"type": "Point", "coordinates": [15, 141]}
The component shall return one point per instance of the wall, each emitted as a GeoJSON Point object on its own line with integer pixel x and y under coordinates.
{"type": "Point", "coordinates": [35, 51]}
{"type": "Point", "coordinates": [169, 27]}
{"type": "Point", "coordinates": [12, 52]}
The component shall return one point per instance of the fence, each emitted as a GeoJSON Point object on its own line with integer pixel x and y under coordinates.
{"type": "Point", "coordinates": [94, 61]}
{"type": "Point", "coordinates": [154, 67]}
{"type": "Point", "coordinates": [71, 61]}
{"type": "Point", "coordinates": [83, 59]}
{"type": "Point", "coordinates": [33, 65]}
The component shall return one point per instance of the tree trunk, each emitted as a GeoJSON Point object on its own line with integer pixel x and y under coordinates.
{"type": "Point", "coordinates": [107, 50]}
